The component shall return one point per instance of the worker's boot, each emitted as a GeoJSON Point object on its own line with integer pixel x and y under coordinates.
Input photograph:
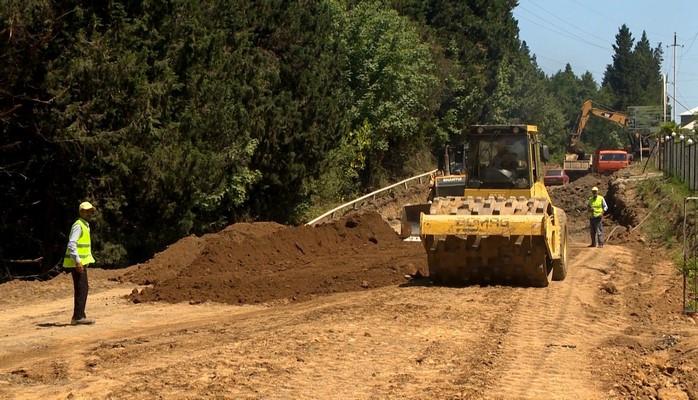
{"type": "Point", "coordinates": [82, 321]}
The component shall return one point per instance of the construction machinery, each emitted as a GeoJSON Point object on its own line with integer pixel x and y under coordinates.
{"type": "Point", "coordinates": [496, 221]}
{"type": "Point", "coordinates": [577, 162]}
{"type": "Point", "coordinates": [449, 180]}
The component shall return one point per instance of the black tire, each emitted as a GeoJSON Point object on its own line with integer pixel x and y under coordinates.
{"type": "Point", "coordinates": [560, 265]}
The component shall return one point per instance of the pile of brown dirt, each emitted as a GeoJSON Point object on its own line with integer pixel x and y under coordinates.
{"type": "Point", "coordinates": [622, 202]}
{"type": "Point", "coordinates": [390, 204]}
{"type": "Point", "coordinates": [184, 252]}
{"type": "Point", "coordinates": [621, 197]}
{"type": "Point", "coordinates": [573, 197]}
{"type": "Point", "coordinates": [259, 262]}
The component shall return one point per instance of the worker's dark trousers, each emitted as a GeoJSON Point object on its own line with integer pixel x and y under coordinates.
{"type": "Point", "coordinates": [80, 289]}
{"type": "Point", "coordinates": [596, 228]}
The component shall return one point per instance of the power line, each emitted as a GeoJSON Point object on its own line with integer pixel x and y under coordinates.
{"type": "Point", "coordinates": [586, 7]}
{"type": "Point", "coordinates": [567, 23]}
{"type": "Point", "coordinates": [690, 45]}
{"type": "Point", "coordinates": [592, 10]}
{"type": "Point", "coordinates": [683, 53]}
{"type": "Point", "coordinates": [565, 34]}
{"type": "Point", "coordinates": [673, 98]}
{"type": "Point", "coordinates": [684, 98]}
{"type": "Point", "coordinates": [564, 63]}
{"type": "Point", "coordinates": [564, 30]}
{"type": "Point", "coordinates": [549, 58]}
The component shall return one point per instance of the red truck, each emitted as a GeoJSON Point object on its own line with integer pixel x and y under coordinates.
{"type": "Point", "coordinates": [609, 161]}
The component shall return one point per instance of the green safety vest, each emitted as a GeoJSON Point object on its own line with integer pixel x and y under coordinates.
{"type": "Point", "coordinates": [84, 247]}
{"type": "Point", "coordinates": [596, 204]}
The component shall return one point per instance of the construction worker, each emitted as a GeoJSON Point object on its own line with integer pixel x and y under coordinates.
{"type": "Point", "coordinates": [78, 256]}
{"type": "Point", "coordinates": [597, 207]}
{"type": "Point", "coordinates": [505, 158]}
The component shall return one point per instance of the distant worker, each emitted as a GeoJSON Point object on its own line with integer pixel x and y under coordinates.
{"type": "Point", "coordinates": [597, 206]}
{"type": "Point", "coordinates": [78, 256]}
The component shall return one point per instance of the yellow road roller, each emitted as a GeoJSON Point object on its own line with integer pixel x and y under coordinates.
{"type": "Point", "coordinates": [492, 221]}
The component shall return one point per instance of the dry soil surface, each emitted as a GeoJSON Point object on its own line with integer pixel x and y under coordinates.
{"type": "Point", "coordinates": [612, 329]}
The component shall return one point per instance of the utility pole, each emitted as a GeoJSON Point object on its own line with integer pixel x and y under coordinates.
{"type": "Point", "coordinates": [664, 79]}
{"type": "Point", "coordinates": [673, 98]}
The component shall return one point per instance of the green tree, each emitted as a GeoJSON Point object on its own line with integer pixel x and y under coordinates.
{"type": "Point", "coordinates": [634, 77]}
{"type": "Point", "coordinates": [305, 116]}
{"type": "Point", "coordinates": [389, 76]}
{"type": "Point", "coordinates": [144, 119]}
{"type": "Point", "coordinates": [180, 116]}
{"type": "Point", "coordinates": [648, 62]}
{"type": "Point", "coordinates": [620, 74]}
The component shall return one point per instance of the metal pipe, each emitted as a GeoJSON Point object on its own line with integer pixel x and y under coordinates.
{"type": "Point", "coordinates": [367, 196]}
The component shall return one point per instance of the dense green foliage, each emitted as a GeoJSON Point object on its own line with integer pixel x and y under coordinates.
{"type": "Point", "coordinates": [179, 116]}
{"type": "Point", "coordinates": [634, 78]}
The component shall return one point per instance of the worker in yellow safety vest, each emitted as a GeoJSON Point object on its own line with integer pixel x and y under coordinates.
{"type": "Point", "coordinates": [78, 256]}
{"type": "Point", "coordinates": [597, 207]}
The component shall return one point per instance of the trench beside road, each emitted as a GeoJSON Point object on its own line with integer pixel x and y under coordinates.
{"type": "Point", "coordinates": [410, 340]}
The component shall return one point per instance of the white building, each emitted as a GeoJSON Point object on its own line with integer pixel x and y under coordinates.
{"type": "Point", "coordinates": [689, 117]}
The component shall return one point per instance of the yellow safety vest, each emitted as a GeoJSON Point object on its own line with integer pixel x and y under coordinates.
{"type": "Point", "coordinates": [596, 204]}
{"type": "Point", "coordinates": [84, 247]}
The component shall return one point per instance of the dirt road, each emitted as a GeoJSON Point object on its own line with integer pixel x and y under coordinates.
{"type": "Point", "coordinates": [392, 342]}
{"type": "Point", "coordinates": [610, 330]}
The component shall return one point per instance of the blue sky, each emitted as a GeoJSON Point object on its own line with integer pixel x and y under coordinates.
{"type": "Point", "coordinates": [582, 32]}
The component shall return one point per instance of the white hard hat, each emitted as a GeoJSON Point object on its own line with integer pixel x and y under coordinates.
{"type": "Point", "coordinates": [594, 189]}
{"type": "Point", "coordinates": [86, 205]}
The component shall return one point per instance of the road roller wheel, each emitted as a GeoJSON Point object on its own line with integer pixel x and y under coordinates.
{"type": "Point", "coordinates": [560, 266]}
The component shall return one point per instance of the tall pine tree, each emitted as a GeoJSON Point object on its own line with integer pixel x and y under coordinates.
{"type": "Point", "coordinates": [620, 74]}
{"type": "Point", "coordinates": [648, 76]}
{"type": "Point", "coordinates": [634, 77]}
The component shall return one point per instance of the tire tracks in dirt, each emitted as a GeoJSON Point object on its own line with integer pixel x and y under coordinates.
{"type": "Point", "coordinates": [545, 349]}
{"type": "Point", "coordinates": [392, 342]}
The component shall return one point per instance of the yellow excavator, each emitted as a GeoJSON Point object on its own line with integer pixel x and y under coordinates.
{"type": "Point", "coordinates": [495, 223]}
{"type": "Point", "coordinates": [576, 159]}
{"type": "Point", "coordinates": [588, 109]}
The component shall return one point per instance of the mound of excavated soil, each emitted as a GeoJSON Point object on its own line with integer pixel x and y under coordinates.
{"type": "Point", "coordinates": [258, 262]}
{"type": "Point", "coordinates": [573, 197]}
{"type": "Point", "coordinates": [619, 195]}
{"type": "Point", "coordinates": [390, 204]}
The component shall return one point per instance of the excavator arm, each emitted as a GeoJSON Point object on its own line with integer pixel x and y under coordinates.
{"type": "Point", "coordinates": [588, 109]}
{"type": "Point", "coordinates": [583, 118]}
{"type": "Point", "coordinates": [619, 118]}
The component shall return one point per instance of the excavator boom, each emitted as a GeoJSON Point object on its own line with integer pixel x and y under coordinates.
{"type": "Point", "coordinates": [588, 109]}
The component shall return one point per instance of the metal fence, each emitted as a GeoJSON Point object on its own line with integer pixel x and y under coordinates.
{"type": "Point", "coordinates": [677, 156]}
{"type": "Point", "coordinates": [690, 255]}
{"type": "Point", "coordinates": [354, 204]}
